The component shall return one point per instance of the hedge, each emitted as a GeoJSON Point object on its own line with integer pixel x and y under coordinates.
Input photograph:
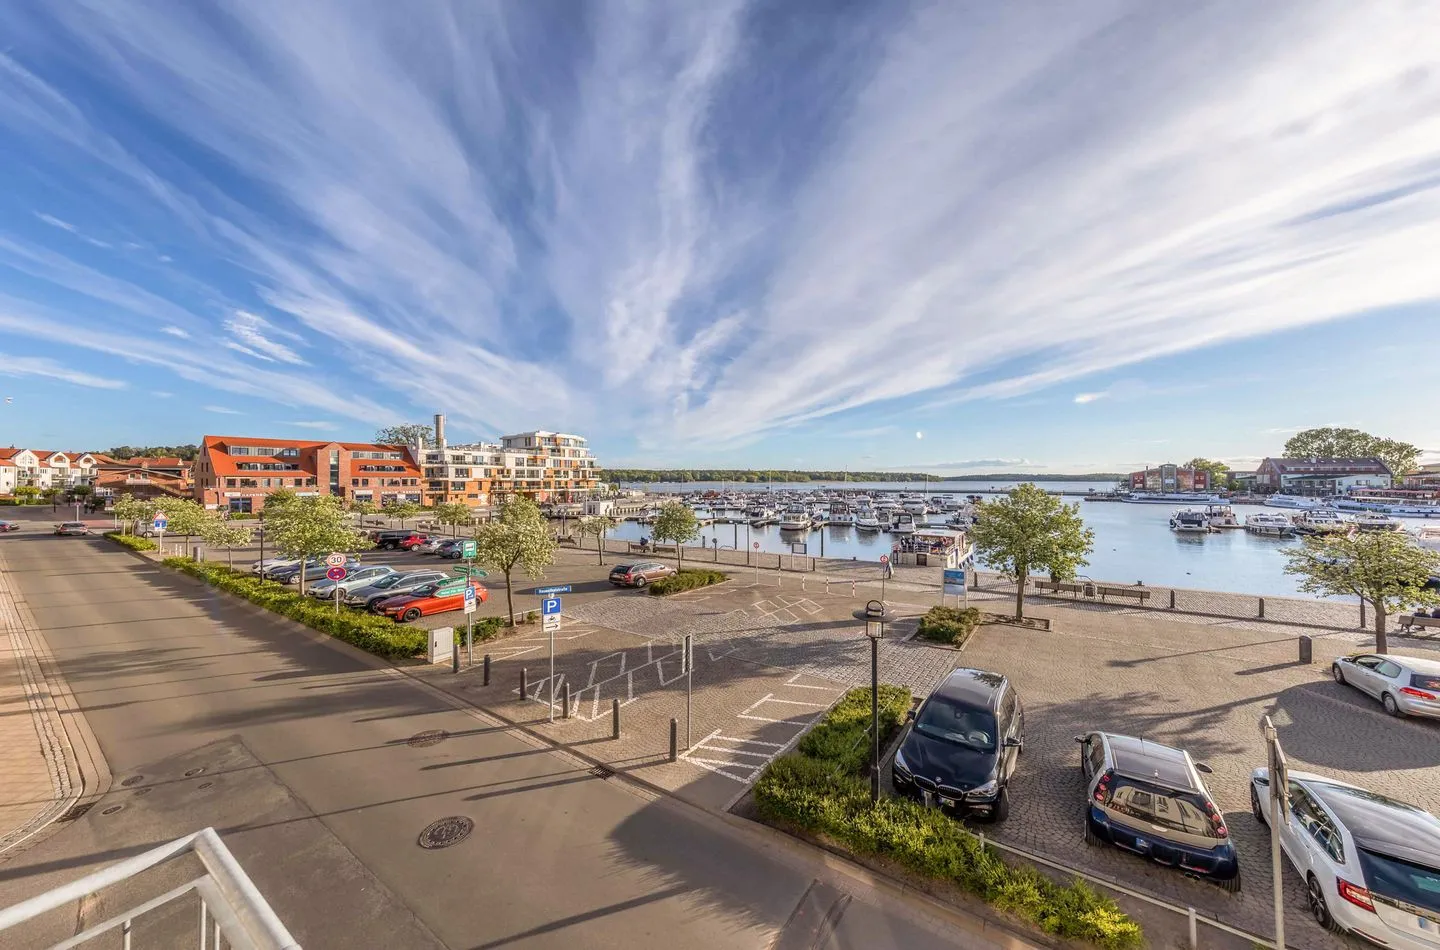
{"type": "Point", "coordinates": [688, 579]}
{"type": "Point", "coordinates": [842, 738]}
{"type": "Point", "coordinates": [952, 625]}
{"type": "Point", "coordinates": [819, 789]}
{"type": "Point", "coordinates": [132, 541]}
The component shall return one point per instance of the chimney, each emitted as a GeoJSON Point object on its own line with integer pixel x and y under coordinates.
{"type": "Point", "coordinates": [440, 430]}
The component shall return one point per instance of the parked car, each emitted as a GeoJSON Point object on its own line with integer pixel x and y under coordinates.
{"type": "Point", "coordinates": [395, 540]}
{"type": "Point", "coordinates": [360, 577]}
{"type": "Point", "coordinates": [1405, 685]}
{"type": "Point", "coordinates": [639, 574]}
{"type": "Point", "coordinates": [436, 598]}
{"type": "Point", "coordinates": [314, 570]}
{"type": "Point", "coordinates": [963, 746]}
{"type": "Point", "coordinates": [71, 527]}
{"type": "Point", "coordinates": [430, 545]}
{"type": "Point", "coordinates": [270, 563]}
{"type": "Point", "coordinates": [451, 549]}
{"type": "Point", "coordinates": [1371, 863]}
{"type": "Point", "coordinates": [388, 586]}
{"type": "Point", "coordinates": [9, 526]}
{"type": "Point", "coordinates": [1149, 799]}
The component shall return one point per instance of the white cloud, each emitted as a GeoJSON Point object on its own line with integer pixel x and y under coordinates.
{"type": "Point", "coordinates": [224, 410]}
{"type": "Point", "coordinates": [37, 366]}
{"type": "Point", "coordinates": [161, 394]}
{"type": "Point", "coordinates": [55, 222]}
{"type": "Point", "coordinates": [1083, 398]}
{"type": "Point", "coordinates": [314, 425]}
{"type": "Point", "coordinates": [253, 336]}
{"type": "Point", "coordinates": [176, 331]}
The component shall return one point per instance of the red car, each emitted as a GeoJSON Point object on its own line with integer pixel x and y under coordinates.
{"type": "Point", "coordinates": [437, 598]}
{"type": "Point", "coordinates": [395, 540]}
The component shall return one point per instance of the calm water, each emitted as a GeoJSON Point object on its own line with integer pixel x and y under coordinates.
{"type": "Point", "coordinates": [1133, 542]}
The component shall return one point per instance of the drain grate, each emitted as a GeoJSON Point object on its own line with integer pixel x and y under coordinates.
{"type": "Point", "coordinates": [602, 771]}
{"type": "Point", "coordinates": [423, 740]}
{"type": "Point", "coordinates": [111, 810]}
{"type": "Point", "coordinates": [191, 773]}
{"type": "Point", "coordinates": [76, 811]}
{"type": "Point", "coordinates": [206, 785]}
{"type": "Point", "coordinates": [132, 780]}
{"type": "Point", "coordinates": [446, 832]}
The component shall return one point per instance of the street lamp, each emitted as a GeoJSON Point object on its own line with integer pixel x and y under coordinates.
{"type": "Point", "coordinates": [875, 616]}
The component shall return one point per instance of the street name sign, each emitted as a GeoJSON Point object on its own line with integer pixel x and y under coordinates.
{"type": "Point", "coordinates": [558, 589]}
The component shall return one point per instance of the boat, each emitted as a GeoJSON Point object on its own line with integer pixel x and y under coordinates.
{"type": "Point", "coordinates": [865, 519]}
{"type": "Point", "coordinates": [906, 523]}
{"type": "Point", "coordinates": [1389, 504]}
{"type": "Point", "coordinates": [795, 518]}
{"type": "Point", "coordinates": [1291, 501]}
{"type": "Point", "coordinates": [840, 515]}
{"type": "Point", "coordinates": [1375, 521]}
{"type": "Point", "coordinates": [1428, 537]}
{"type": "Point", "coordinates": [1170, 497]}
{"type": "Point", "coordinates": [1221, 516]}
{"type": "Point", "coordinates": [1190, 521]}
{"type": "Point", "coordinates": [1321, 521]}
{"type": "Point", "coordinates": [1269, 525]}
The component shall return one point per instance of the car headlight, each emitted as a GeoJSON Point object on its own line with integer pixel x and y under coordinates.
{"type": "Point", "coordinates": [988, 790]}
{"type": "Point", "coordinates": [901, 765]}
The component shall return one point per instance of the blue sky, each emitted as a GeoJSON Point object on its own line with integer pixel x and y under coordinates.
{"type": "Point", "coordinates": [963, 237]}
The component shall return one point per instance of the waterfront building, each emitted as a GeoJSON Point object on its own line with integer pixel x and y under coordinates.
{"type": "Point", "coordinates": [1427, 478]}
{"type": "Point", "coordinates": [239, 473]}
{"type": "Point", "coordinates": [1170, 478]}
{"type": "Point", "coordinates": [44, 469]}
{"type": "Point", "coordinates": [540, 465]}
{"type": "Point", "coordinates": [1318, 476]}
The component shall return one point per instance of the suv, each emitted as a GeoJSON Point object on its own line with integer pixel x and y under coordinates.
{"type": "Point", "coordinates": [639, 574]}
{"type": "Point", "coordinates": [963, 746]}
{"type": "Point", "coordinates": [71, 527]}
{"type": "Point", "coordinates": [394, 540]}
{"type": "Point", "coordinates": [388, 586]}
{"type": "Point", "coordinates": [1148, 798]}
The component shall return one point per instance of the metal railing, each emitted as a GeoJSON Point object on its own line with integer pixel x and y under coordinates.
{"type": "Point", "coordinates": [231, 907]}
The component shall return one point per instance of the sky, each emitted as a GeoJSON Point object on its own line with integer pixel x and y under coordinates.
{"type": "Point", "coordinates": [961, 237]}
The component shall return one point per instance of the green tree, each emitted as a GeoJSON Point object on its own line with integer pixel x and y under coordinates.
{"type": "Point", "coordinates": [677, 523]}
{"type": "Point", "coordinates": [131, 511]}
{"type": "Point", "coordinates": [1029, 530]}
{"type": "Point", "coordinates": [363, 508]}
{"type": "Point", "coordinates": [1399, 457]}
{"type": "Point", "coordinates": [452, 513]}
{"type": "Point", "coordinates": [219, 533]}
{"type": "Point", "coordinates": [1219, 471]}
{"type": "Point", "coordinates": [1383, 568]}
{"type": "Point", "coordinates": [402, 510]}
{"type": "Point", "coordinates": [51, 494]}
{"type": "Point", "coordinates": [311, 527]}
{"type": "Point", "coordinates": [600, 526]}
{"type": "Point", "coordinates": [81, 492]}
{"type": "Point", "coordinates": [517, 537]}
{"type": "Point", "coordinates": [27, 494]}
{"type": "Point", "coordinates": [405, 434]}
{"type": "Point", "coordinates": [186, 518]}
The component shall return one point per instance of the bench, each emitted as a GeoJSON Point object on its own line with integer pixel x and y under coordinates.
{"type": "Point", "coordinates": [1058, 587]}
{"type": "Point", "coordinates": [1141, 594]}
{"type": "Point", "coordinates": [1408, 622]}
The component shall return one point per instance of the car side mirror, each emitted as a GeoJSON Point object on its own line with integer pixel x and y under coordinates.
{"type": "Point", "coordinates": [1202, 767]}
{"type": "Point", "coordinates": [1011, 742]}
{"type": "Point", "coordinates": [1080, 739]}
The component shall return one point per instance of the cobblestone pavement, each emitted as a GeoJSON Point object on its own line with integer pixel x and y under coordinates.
{"type": "Point", "coordinates": [1134, 673]}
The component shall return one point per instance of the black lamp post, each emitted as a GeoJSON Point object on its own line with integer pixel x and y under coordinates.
{"type": "Point", "coordinates": [875, 616]}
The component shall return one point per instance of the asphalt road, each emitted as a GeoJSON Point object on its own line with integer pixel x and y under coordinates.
{"type": "Point", "coordinates": [309, 778]}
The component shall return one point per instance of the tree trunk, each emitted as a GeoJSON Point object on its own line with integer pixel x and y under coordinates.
{"type": "Point", "coordinates": [679, 556]}
{"type": "Point", "coordinates": [600, 547]}
{"type": "Point", "coordinates": [1382, 643]}
{"type": "Point", "coordinates": [303, 569]}
{"type": "Point", "coordinates": [509, 598]}
{"type": "Point", "coordinates": [1022, 574]}
{"type": "Point", "coordinates": [230, 557]}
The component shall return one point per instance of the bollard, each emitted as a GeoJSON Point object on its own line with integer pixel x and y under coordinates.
{"type": "Point", "coordinates": [827, 585]}
{"type": "Point", "coordinates": [1194, 935]}
{"type": "Point", "coordinates": [1262, 608]}
{"type": "Point", "coordinates": [614, 718]}
{"type": "Point", "coordinates": [1172, 600]}
{"type": "Point", "coordinates": [524, 686]}
{"type": "Point", "coordinates": [565, 700]}
{"type": "Point", "coordinates": [487, 671]}
{"type": "Point", "coordinates": [852, 588]}
{"type": "Point", "coordinates": [1307, 647]}
{"type": "Point", "coordinates": [981, 836]}
{"type": "Point", "coordinates": [802, 581]}
{"type": "Point", "coordinates": [674, 740]}
{"type": "Point", "coordinates": [454, 657]}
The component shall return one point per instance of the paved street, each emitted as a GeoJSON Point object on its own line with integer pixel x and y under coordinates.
{"type": "Point", "coordinates": [308, 771]}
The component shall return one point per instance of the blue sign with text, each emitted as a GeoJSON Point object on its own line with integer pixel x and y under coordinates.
{"type": "Point", "coordinates": [550, 605]}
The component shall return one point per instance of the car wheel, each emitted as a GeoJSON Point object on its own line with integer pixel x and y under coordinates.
{"type": "Point", "coordinates": [1232, 885]}
{"type": "Point", "coordinates": [390, 546]}
{"type": "Point", "coordinates": [1336, 672]}
{"type": "Point", "coordinates": [1315, 897]}
{"type": "Point", "coordinates": [1090, 837]}
{"type": "Point", "coordinates": [1391, 707]}
{"type": "Point", "coordinates": [1001, 811]}
{"type": "Point", "coordinates": [1255, 807]}
{"type": "Point", "coordinates": [641, 581]}
{"type": "Point", "coordinates": [412, 614]}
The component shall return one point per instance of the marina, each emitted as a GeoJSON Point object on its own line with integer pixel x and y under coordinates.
{"type": "Point", "coordinates": [1133, 542]}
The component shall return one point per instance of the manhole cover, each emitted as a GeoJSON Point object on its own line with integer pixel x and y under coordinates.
{"type": "Point", "coordinates": [602, 771]}
{"type": "Point", "coordinates": [207, 785]}
{"type": "Point", "coordinates": [133, 780]}
{"type": "Point", "coordinates": [421, 740]}
{"type": "Point", "coordinates": [111, 810]}
{"type": "Point", "coordinates": [191, 773]}
{"type": "Point", "coordinates": [445, 832]}
{"type": "Point", "coordinates": [77, 811]}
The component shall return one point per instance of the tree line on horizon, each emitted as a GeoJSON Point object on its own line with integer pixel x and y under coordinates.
{"type": "Point", "coordinates": [760, 476]}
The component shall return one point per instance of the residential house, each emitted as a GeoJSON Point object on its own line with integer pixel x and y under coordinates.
{"type": "Point", "coordinates": [45, 469]}
{"type": "Point", "coordinates": [143, 477]}
{"type": "Point", "coordinates": [1317, 476]}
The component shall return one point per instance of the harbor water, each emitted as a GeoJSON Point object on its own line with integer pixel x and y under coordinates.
{"type": "Point", "coordinates": [1133, 542]}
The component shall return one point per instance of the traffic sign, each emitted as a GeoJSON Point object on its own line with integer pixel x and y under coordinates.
{"type": "Point", "coordinates": [550, 623]}
{"type": "Point", "coordinates": [161, 522]}
{"type": "Point", "coordinates": [884, 559]}
{"type": "Point", "coordinates": [335, 559]}
{"type": "Point", "coordinates": [756, 545]}
{"type": "Point", "coordinates": [470, 572]}
{"type": "Point", "coordinates": [550, 605]}
{"type": "Point", "coordinates": [467, 549]}
{"type": "Point", "coordinates": [558, 589]}
{"type": "Point", "coordinates": [469, 599]}
{"type": "Point", "coordinates": [336, 573]}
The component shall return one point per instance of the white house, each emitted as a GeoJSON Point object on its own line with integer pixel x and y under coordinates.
{"type": "Point", "coordinates": [44, 469]}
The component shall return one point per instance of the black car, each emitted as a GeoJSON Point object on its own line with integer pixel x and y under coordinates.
{"type": "Point", "coordinates": [963, 746]}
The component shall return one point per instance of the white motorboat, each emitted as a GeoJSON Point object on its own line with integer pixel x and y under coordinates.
{"type": "Point", "coordinates": [865, 519]}
{"type": "Point", "coordinates": [840, 515]}
{"type": "Point", "coordinates": [795, 518]}
{"type": "Point", "coordinates": [1321, 521]}
{"type": "Point", "coordinates": [1169, 497]}
{"type": "Point", "coordinates": [1268, 525]}
{"type": "Point", "coordinates": [1375, 521]}
{"type": "Point", "coordinates": [1291, 501]}
{"type": "Point", "coordinates": [1428, 537]}
{"type": "Point", "coordinates": [1221, 516]}
{"type": "Point", "coordinates": [906, 522]}
{"type": "Point", "coordinates": [1389, 504]}
{"type": "Point", "coordinates": [1190, 521]}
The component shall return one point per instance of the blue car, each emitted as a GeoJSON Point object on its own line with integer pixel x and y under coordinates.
{"type": "Point", "coordinates": [1149, 799]}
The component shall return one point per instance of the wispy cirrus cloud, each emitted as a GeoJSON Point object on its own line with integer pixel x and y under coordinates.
{"type": "Point", "coordinates": [37, 366]}
{"type": "Point", "coordinates": [176, 331]}
{"type": "Point", "coordinates": [316, 424]}
{"type": "Point", "coordinates": [224, 410]}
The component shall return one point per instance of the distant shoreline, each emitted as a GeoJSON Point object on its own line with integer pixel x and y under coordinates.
{"type": "Point", "coordinates": [762, 476]}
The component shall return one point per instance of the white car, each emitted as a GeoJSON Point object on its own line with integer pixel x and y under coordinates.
{"type": "Point", "coordinates": [270, 563]}
{"type": "Point", "coordinates": [325, 590]}
{"type": "Point", "coordinates": [1371, 864]}
{"type": "Point", "coordinates": [1405, 685]}
{"type": "Point", "coordinates": [430, 546]}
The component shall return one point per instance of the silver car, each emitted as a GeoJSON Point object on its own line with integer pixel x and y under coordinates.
{"type": "Point", "coordinates": [361, 577]}
{"type": "Point", "coordinates": [389, 586]}
{"type": "Point", "coordinates": [1405, 685]}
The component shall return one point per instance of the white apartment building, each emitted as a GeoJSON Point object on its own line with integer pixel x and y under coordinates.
{"type": "Point", "coordinates": [545, 466]}
{"type": "Point", "coordinates": [42, 469]}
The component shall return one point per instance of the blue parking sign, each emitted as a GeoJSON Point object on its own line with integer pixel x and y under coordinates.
{"type": "Point", "coordinates": [550, 605]}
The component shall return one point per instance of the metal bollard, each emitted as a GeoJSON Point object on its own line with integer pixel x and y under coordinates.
{"type": "Point", "coordinates": [524, 683]}
{"type": "Point", "coordinates": [1172, 600]}
{"type": "Point", "coordinates": [454, 657]}
{"type": "Point", "coordinates": [1262, 608]}
{"type": "Point", "coordinates": [1194, 935]}
{"type": "Point", "coordinates": [827, 585]}
{"type": "Point", "coordinates": [565, 700]}
{"type": "Point", "coordinates": [981, 836]}
{"type": "Point", "coordinates": [614, 718]}
{"type": "Point", "coordinates": [487, 671]}
{"type": "Point", "coordinates": [674, 740]}
{"type": "Point", "coordinates": [1307, 647]}
{"type": "Point", "coordinates": [802, 581]}
{"type": "Point", "coordinates": [852, 588]}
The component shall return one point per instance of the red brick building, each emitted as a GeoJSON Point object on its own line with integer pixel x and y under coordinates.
{"type": "Point", "coordinates": [143, 477]}
{"type": "Point", "coordinates": [1321, 476]}
{"type": "Point", "coordinates": [239, 473]}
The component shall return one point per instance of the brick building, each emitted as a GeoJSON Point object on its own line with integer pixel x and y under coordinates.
{"type": "Point", "coordinates": [143, 477]}
{"type": "Point", "coordinates": [1321, 476]}
{"type": "Point", "coordinates": [1168, 478]}
{"type": "Point", "coordinates": [239, 473]}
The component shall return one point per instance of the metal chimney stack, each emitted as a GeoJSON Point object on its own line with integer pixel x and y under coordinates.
{"type": "Point", "coordinates": [440, 430]}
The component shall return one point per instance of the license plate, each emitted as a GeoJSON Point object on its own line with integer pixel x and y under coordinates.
{"type": "Point", "coordinates": [947, 802]}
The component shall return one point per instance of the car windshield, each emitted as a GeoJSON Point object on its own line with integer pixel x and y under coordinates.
{"type": "Point", "coordinates": [1167, 808]}
{"type": "Point", "coordinates": [950, 721]}
{"type": "Point", "coordinates": [1398, 880]}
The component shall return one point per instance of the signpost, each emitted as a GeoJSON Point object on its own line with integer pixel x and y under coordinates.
{"type": "Point", "coordinates": [550, 622]}
{"type": "Point", "coordinates": [159, 524]}
{"type": "Point", "coordinates": [1279, 815]}
{"type": "Point", "coordinates": [884, 573]}
{"type": "Point", "coordinates": [336, 574]}
{"type": "Point", "coordinates": [467, 551]}
{"type": "Point", "coordinates": [954, 583]}
{"type": "Point", "coordinates": [756, 546]}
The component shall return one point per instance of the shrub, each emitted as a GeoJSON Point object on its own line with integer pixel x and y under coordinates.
{"type": "Point", "coordinates": [131, 541]}
{"type": "Point", "coordinates": [952, 625]}
{"type": "Point", "coordinates": [486, 628]}
{"type": "Point", "coordinates": [379, 635]}
{"type": "Point", "coordinates": [687, 579]}
{"type": "Point", "coordinates": [820, 789]}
